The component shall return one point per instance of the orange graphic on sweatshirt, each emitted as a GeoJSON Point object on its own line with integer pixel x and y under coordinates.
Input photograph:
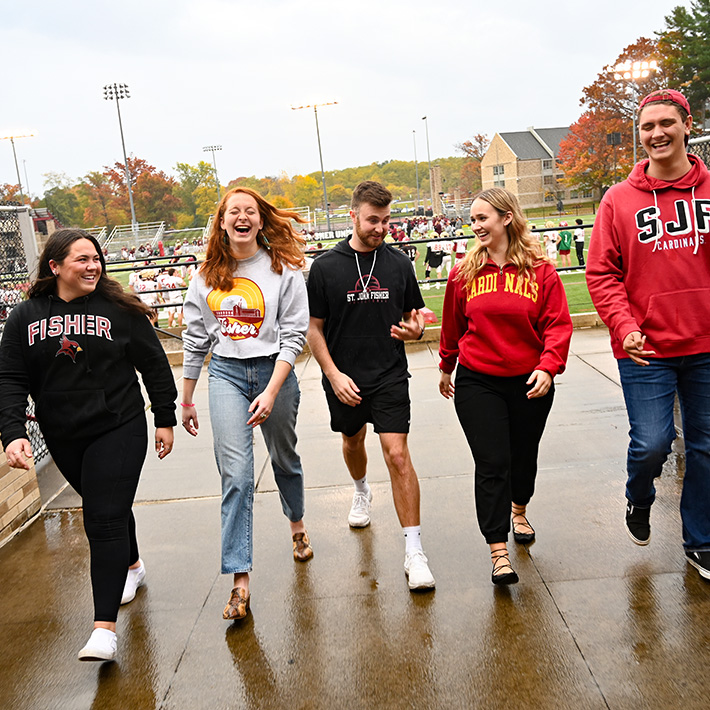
{"type": "Point", "coordinates": [240, 312]}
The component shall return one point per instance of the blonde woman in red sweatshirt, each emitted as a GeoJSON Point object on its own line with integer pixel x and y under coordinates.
{"type": "Point", "coordinates": [507, 323]}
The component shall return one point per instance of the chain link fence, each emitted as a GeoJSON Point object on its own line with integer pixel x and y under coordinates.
{"type": "Point", "coordinates": [14, 282]}
{"type": "Point", "coordinates": [701, 148]}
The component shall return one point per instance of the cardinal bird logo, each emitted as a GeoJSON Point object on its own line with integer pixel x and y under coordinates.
{"type": "Point", "coordinates": [68, 347]}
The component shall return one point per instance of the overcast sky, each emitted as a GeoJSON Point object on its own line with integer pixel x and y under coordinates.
{"type": "Point", "coordinates": [227, 72]}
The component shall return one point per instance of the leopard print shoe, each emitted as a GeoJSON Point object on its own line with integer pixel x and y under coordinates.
{"type": "Point", "coordinates": [302, 550]}
{"type": "Point", "coordinates": [238, 605]}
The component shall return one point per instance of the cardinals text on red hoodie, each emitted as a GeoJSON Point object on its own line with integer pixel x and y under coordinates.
{"type": "Point", "coordinates": [506, 325]}
{"type": "Point", "coordinates": [648, 268]}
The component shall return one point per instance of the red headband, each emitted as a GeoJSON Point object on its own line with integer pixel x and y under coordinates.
{"type": "Point", "coordinates": [666, 95]}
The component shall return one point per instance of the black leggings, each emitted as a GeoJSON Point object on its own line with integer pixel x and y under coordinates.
{"type": "Point", "coordinates": [104, 471]}
{"type": "Point", "coordinates": [503, 428]}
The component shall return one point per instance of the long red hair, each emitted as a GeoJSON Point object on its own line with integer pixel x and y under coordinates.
{"type": "Point", "coordinates": [283, 244]}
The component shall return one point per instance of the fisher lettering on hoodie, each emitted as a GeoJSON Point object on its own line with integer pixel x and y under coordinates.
{"type": "Point", "coordinates": [68, 324]}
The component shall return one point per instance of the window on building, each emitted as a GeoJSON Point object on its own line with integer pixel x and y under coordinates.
{"type": "Point", "coordinates": [499, 169]}
{"type": "Point", "coordinates": [588, 193]}
{"type": "Point", "coordinates": [548, 179]}
{"type": "Point", "coordinates": [547, 164]}
{"type": "Point", "coordinates": [573, 194]}
{"type": "Point", "coordinates": [561, 195]}
{"type": "Point", "coordinates": [549, 197]}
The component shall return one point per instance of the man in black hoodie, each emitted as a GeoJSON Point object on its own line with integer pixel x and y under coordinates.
{"type": "Point", "coordinates": [364, 302]}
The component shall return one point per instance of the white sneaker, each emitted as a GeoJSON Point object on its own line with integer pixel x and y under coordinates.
{"type": "Point", "coordinates": [101, 646]}
{"type": "Point", "coordinates": [134, 579]}
{"type": "Point", "coordinates": [416, 567]}
{"type": "Point", "coordinates": [360, 511]}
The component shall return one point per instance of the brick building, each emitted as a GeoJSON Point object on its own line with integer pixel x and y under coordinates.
{"type": "Point", "coordinates": [525, 162]}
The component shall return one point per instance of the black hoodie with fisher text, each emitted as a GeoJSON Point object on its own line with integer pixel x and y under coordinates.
{"type": "Point", "coordinates": [78, 361]}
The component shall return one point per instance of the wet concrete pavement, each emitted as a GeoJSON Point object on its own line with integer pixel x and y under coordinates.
{"type": "Point", "coordinates": [595, 622]}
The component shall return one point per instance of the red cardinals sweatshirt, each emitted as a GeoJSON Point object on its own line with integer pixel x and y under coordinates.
{"type": "Point", "coordinates": [648, 268]}
{"type": "Point", "coordinates": [506, 325]}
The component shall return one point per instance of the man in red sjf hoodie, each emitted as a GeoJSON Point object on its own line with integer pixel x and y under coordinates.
{"type": "Point", "coordinates": [649, 277]}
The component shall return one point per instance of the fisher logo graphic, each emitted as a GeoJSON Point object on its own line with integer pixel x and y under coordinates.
{"type": "Point", "coordinates": [68, 347]}
{"type": "Point", "coordinates": [240, 312]}
{"type": "Point", "coordinates": [368, 289]}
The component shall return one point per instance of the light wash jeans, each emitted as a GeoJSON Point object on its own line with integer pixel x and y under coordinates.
{"type": "Point", "coordinates": [233, 386]}
{"type": "Point", "coordinates": [649, 392]}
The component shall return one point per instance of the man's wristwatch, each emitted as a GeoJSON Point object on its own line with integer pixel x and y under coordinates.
{"type": "Point", "coordinates": [421, 335]}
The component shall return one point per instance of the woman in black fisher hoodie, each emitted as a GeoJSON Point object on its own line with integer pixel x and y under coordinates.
{"type": "Point", "coordinates": [74, 347]}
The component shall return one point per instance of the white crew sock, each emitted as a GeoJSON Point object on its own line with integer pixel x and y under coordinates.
{"type": "Point", "coordinates": [361, 485]}
{"type": "Point", "coordinates": [413, 538]}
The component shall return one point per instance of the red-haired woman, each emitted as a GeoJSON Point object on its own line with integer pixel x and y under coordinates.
{"type": "Point", "coordinates": [247, 305]}
{"type": "Point", "coordinates": [506, 321]}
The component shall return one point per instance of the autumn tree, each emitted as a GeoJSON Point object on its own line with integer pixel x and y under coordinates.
{"type": "Point", "coordinates": [470, 173]}
{"type": "Point", "coordinates": [117, 179]}
{"type": "Point", "coordinates": [153, 197]}
{"type": "Point", "coordinates": [98, 196]}
{"type": "Point", "coordinates": [686, 54]}
{"type": "Point", "coordinates": [197, 191]}
{"type": "Point", "coordinates": [60, 198]}
{"type": "Point", "coordinates": [9, 193]}
{"type": "Point", "coordinates": [588, 160]}
{"type": "Point", "coordinates": [303, 191]}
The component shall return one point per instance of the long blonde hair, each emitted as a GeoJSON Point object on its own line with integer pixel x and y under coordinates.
{"type": "Point", "coordinates": [524, 249]}
{"type": "Point", "coordinates": [277, 236]}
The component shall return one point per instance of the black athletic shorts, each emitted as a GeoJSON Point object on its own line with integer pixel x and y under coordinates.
{"type": "Point", "coordinates": [388, 409]}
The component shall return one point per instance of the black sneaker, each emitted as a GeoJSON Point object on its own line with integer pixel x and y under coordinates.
{"type": "Point", "coordinates": [700, 560]}
{"type": "Point", "coordinates": [637, 524]}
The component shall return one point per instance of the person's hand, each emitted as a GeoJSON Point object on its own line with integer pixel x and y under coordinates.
{"type": "Point", "coordinates": [345, 389]}
{"type": "Point", "coordinates": [635, 346]}
{"type": "Point", "coordinates": [18, 454]}
{"type": "Point", "coordinates": [189, 420]}
{"type": "Point", "coordinates": [446, 387]}
{"type": "Point", "coordinates": [164, 441]}
{"type": "Point", "coordinates": [261, 408]}
{"type": "Point", "coordinates": [541, 381]}
{"type": "Point", "coordinates": [407, 329]}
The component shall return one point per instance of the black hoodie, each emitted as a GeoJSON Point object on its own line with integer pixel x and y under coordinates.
{"type": "Point", "coordinates": [78, 361]}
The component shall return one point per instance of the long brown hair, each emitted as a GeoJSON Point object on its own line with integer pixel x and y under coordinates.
{"type": "Point", "coordinates": [524, 249]}
{"type": "Point", "coordinates": [57, 248]}
{"type": "Point", "coordinates": [283, 244]}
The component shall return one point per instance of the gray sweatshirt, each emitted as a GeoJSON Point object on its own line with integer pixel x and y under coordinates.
{"type": "Point", "coordinates": [264, 314]}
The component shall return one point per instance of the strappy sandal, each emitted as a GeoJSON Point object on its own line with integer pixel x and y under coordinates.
{"type": "Point", "coordinates": [522, 538]}
{"type": "Point", "coordinates": [302, 550]}
{"type": "Point", "coordinates": [238, 605]}
{"type": "Point", "coordinates": [501, 561]}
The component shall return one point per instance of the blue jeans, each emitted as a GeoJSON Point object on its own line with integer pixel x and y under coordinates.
{"type": "Point", "coordinates": [650, 393]}
{"type": "Point", "coordinates": [233, 386]}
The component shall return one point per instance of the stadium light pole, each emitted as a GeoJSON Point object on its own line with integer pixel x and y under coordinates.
{"type": "Point", "coordinates": [428, 157]}
{"type": "Point", "coordinates": [116, 92]}
{"type": "Point", "coordinates": [212, 149]}
{"type": "Point", "coordinates": [416, 167]}
{"type": "Point", "coordinates": [320, 153]}
{"type": "Point", "coordinates": [14, 155]}
{"type": "Point", "coordinates": [631, 72]}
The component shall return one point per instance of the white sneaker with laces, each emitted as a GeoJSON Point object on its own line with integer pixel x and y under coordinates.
{"type": "Point", "coordinates": [134, 579]}
{"type": "Point", "coordinates": [359, 516]}
{"type": "Point", "coordinates": [101, 646]}
{"type": "Point", "coordinates": [416, 567]}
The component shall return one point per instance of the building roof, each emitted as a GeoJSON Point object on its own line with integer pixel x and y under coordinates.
{"type": "Point", "coordinates": [527, 147]}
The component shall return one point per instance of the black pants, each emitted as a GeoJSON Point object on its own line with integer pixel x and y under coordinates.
{"type": "Point", "coordinates": [104, 470]}
{"type": "Point", "coordinates": [579, 246]}
{"type": "Point", "coordinates": [503, 428]}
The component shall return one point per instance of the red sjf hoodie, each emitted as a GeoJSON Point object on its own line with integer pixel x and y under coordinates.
{"type": "Point", "coordinates": [648, 268]}
{"type": "Point", "coordinates": [506, 325]}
